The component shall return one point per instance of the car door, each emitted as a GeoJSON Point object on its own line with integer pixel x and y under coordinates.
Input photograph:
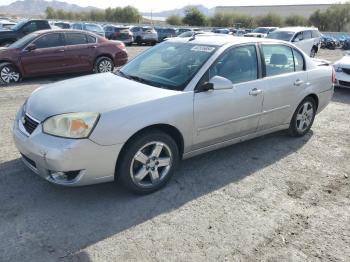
{"type": "Point", "coordinates": [80, 51]}
{"type": "Point", "coordinates": [48, 56]}
{"type": "Point", "coordinates": [284, 78]}
{"type": "Point", "coordinates": [221, 115]}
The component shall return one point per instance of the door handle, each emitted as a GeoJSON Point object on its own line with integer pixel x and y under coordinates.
{"type": "Point", "coordinates": [60, 50]}
{"type": "Point", "coordinates": [255, 92]}
{"type": "Point", "coordinates": [298, 82]}
{"type": "Point", "coordinates": [92, 46]}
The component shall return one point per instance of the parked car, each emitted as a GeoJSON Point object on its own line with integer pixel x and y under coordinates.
{"type": "Point", "coordinates": [307, 39]}
{"type": "Point", "coordinates": [225, 31]}
{"type": "Point", "coordinates": [261, 32]}
{"type": "Point", "coordinates": [95, 28]}
{"type": "Point", "coordinates": [163, 106]}
{"type": "Point", "coordinates": [62, 25]}
{"type": "Point", "coordinates": [147, 35]}
{"type": "Point", "coordinates": [52, 52]}
{"type": "Point", "coordinates": [21, 29]}
{"type": "Point", "coordinates": [119, 33]}
{"type": "Point", "coordinates": [342, 69]}
{"type": "Point", "coordinates": [165, 33]}
{"type": "Point", "coordinates": [6, 25]}
{"type": "Point", "coordinates": [180, 31]}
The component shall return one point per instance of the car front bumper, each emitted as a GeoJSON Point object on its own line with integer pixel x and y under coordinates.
{"type": "Point", "coordinates": [62, 161]}
{"type": "Point", "coordinates": [343, 80]}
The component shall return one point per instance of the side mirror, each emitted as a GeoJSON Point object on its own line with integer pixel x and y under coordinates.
{"type": "Point", "coordinates": [31, 47]}
{"type": "Point", "coordinates": [215, 83]}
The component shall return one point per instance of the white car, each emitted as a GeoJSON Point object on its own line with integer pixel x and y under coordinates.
{"type": "Point", "coordinates": [261, 32]}
{"type": "Point", "coordinates": [307, 39]}
{"type": "Point", "coordinates": [342, 69]}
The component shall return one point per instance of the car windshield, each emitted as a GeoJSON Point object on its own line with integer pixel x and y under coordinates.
{"type": "Point", "coordinates": [261, 30]}
{"type": "Point", "coordinates": [18, 25]}
{"type": "Point", "coordinates": [281, 35]}
{"type": "Point", "coordinates": [168, 65]}
{"type": "Point", "coordinates": [186, 34]}
{"type": "Point", "coordinates": [21, 43]}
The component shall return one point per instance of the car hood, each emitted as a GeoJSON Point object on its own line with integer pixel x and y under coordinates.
{"type": "Point", "coordinates": [94, 93]}
{"type": "Point", "coordinates": [255, 34]}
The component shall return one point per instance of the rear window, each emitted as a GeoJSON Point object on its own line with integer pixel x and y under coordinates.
{"type": "Point", "coordinates": [91, 39]}
{"type": "Point", "coordinates": [75, 39]}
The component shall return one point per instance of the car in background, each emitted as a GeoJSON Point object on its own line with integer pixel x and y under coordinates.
{"type": "Point", "coordinates": [307, 39]}
{"type": "Point", "coordinates": [6, 25]}
{"type": "Point", "coordinates": [165, 33]}
{"type": "Point", "coordinates": [177, 100]}
{"type": "Point", "coordinates": [62, 25]}
{"type": "Point", "coordinates": [225, 31]}
{"type": "Point", "coordinates": [95, 28]}
{"type": "Point", "coordinates": [51, 52]}
{"type": "Point", "coordinates": [119, 33]}
{"type": "Point", "coordinates": [261, 32]}
{"type": "Point", "coordinates": [179, 31]}
{"type": "Point", "coordinates": [21, 29]}
{"type": "Point", "coordinates": [144, 35]}
{"type": "Point", "coordinates": [342, 69]}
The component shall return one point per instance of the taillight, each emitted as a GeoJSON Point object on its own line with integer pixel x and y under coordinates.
{"type": "Point", "coordinates": [334, 77]}
{"type": "Point", "coordinates": [121, 46]}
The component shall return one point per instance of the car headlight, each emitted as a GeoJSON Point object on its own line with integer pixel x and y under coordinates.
{"type": "Point", "coordinates": [72, 125]}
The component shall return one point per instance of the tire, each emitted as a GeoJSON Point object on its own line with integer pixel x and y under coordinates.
{"type": "Point", "coordinates": [138, 40]}
{"type": "Point", "coordinates": [104, 64]}
{"type": "Point", "coordinates": [303, 118]}
{"type": "Point", "coordinates": [9, 74]}
{"type": "Point", "coordinates": [141, 168]}
{"type": "Point", "coordinates": [313, 52]}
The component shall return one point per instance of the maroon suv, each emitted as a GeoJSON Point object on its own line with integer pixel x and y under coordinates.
{"type": "Point", "coordinates": [57, 52]}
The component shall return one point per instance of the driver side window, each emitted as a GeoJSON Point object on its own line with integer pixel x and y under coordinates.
{"type": "Point", "coordinates": [30, 27]}
{"type": "Point", "coordinates": [238, 64]}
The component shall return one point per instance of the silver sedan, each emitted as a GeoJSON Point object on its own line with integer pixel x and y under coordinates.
{"type": "Point", "coordinates": [178, 99]}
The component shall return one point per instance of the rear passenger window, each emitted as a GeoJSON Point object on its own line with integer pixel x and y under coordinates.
{"type": "Point", "coordinates": [278, 59]}
{"type": "Point", "coordinates": [298, 60]}
{"type": "Point", "coordinates": [49, 40]}
{"type": "Point", "coordinates": [238, 64]}
{"type": "Point", "coordinates": [315, 34]}
{"type": "Point", "coordinates": [307, 35]}
{"type": "Point", "coordinates": [75, 39]}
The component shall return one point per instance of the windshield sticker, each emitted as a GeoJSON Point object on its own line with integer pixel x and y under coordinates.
{"type": "Point", "coordinates": [200, 48]}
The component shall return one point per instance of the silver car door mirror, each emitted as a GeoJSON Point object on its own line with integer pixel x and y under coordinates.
{"type": "Point", "coordinates": [220, 83]}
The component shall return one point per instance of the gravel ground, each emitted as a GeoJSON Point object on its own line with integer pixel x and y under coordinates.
{"type": "Point", "coordinates": [274, 198]}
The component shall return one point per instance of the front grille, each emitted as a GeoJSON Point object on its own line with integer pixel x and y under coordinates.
{"type": "Point", "coordinates": [29, 124]}
{"type": "Point", "coordinates": [29, 161]}
{"type": "Point", "coordinates": [344, 83]}
{"type": "Point", "coordinates": [346, 70]}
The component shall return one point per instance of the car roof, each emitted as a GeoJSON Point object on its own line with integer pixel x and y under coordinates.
{"type": "Point", "coordinates": [296, 28]}
{"type": "Point", "coordinates": [62, 31]}
{"type": "Point", "coordinates": [220, 40]}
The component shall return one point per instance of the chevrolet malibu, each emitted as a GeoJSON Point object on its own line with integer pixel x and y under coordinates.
{"type": "Point", "coordinates": [178, 99]}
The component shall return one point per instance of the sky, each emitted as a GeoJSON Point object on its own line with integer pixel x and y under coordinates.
{"type": "Point", "coordinates": [159, 5]}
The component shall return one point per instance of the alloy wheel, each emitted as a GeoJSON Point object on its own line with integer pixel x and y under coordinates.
{"type": "Point", "coordinates": [151, 164]}
{"type": "Point", "coordinates": [105, 66]}
{"type": "Point", "coordinates": [304, 117]}
{"type": "Point", "coordinates": [9, 75]}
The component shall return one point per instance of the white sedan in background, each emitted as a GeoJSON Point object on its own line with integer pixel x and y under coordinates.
{"type": "Point", "coordinates": [342, 69]}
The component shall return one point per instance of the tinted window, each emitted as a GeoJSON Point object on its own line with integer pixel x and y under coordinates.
{"type": "Point", "coordinates": [30, 27]}
{"type": "Point", "coordinates": [42, 25]}
{"type": "Point", "coordinates": [307, 35]}
{"type": "Point", "coordinates": [49, 40]}
{"type": "Point", "coordinates": [238, 64]}
{"type": "Point", "coordinates": [281, 35]}
{"type": "Point", "coordinates": [278, 59]}
{"type": "Point", "coordinates": [91, 39]}
{"type": "Point", "coordinates": [75, 39]}
{"type": "Point", "coordinates": [93, 28]}
{"type": "Point", "coordinates": [298, 60]}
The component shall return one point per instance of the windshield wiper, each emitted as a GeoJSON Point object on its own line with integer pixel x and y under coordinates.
{"type": "Point", "coordinates": [139, 79]}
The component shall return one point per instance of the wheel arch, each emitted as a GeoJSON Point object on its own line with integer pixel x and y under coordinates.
{"type": "Point", "coordinates": [315, 98]}
{"type": "Point", "coordinates": [166, 128]}
{"type": "Point", "coordinates": [4, 61]}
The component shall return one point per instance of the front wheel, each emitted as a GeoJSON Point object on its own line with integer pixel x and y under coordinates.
{"type": "Point", "coordinates": [148, 162]}
{"type": "Point", "coordinates": [9, 73]}
{"type": "Point", "coordinates": [303, 118]}
{"type": "Point", "coordinates": [103, 65]}
{"type": "Point", "coordinates": [313, 52]}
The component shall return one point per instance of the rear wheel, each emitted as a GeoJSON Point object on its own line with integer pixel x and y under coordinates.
{"type": "Point", "coordinates": [9, 73]}
{"type": "Point", "coordinates": [148, 162]}
{"type": "Point", "coordinates": [138, 40]}
{"type": "Point", "coordinates": [104, 64]}
{"type": "Point", "coordinates": [303, 118]}
{"type": "Point", "coordinates": [313, 52]}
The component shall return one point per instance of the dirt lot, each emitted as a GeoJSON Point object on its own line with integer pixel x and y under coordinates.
{"type": "Point", "coordinates": [274, 198]}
